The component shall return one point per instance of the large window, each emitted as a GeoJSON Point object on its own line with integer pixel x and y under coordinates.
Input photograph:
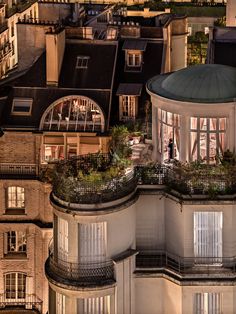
{"type": "Point", "coordinates": [100, 305]}
{"type": "Point", "coordinates": [208, 237]}
{"type": "Point", "coordinates": [168, 129]}
{"type": "Point", "coordinates": [207, 303]}
{"type": "Point", "coordinates": [15, 199]}
{"type": "Point", "coordinates": [128, 107]}
{"type": "Point", "coordinates": [74, 113]}
{"type": "Point", "coordinates": [15, 286]}
{"type": "Point", "coordinates": [53, 152]}
{"type": "Point", "coordinates": [92, 242]}
{"type": "Point", "coordinates": [207, 138]}
{"type": "Point", "coordinates": [15, 242]}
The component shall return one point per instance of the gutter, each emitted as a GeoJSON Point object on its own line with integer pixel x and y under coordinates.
{"type": "Point", "coordinates": [111, 89]}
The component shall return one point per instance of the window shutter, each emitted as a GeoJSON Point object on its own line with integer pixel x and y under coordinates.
{"type": "Point", "coordinates": [5, 242]}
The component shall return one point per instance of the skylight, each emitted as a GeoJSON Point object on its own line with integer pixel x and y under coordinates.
{"type": "Point", "coordinates": [82, 62]}
{"type": "Point", "coordinates": [22, 106]}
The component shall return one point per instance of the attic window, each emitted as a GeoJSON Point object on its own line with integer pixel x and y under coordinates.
{"type": "Point", "coordinates": [82, 62]}
{"type": "Point", "coordinates": [21, 106]}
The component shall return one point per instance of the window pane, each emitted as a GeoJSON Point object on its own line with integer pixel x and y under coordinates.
{"type": "Point", "coordinates": [169, 118]}
{"type": "Point", "coordinates": [16, 197]}
{"type": "Point", "coordinates": [222, 124]}
{"type": "Point", "coordinates": [212, 147]}
{"type": "Point", "coordinates": [193, 122]}
{"type": "Point", "coordinates": [203, 123]}
{"type": "Point", "coordinates": [203, 146]}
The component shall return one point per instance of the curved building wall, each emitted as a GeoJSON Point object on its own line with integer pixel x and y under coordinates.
{"type": "Point", "coordinates": [199, 131]}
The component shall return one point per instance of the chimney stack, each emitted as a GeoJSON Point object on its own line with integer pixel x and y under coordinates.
{"type": "Point", "coordinates": [55, 47]}
{"type": "Point", "coordinates": [231, 13]}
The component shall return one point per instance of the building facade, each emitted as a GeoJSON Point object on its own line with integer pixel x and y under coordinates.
{"type": "Point", "coordinates": [59, 107]}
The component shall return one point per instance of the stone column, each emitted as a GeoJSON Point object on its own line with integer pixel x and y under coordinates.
{"type": "Point", "coordinates": [184, 138]}
{"type": "Point", "coordinates": [154, 133]}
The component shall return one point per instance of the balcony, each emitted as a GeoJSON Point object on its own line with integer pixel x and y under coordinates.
{"type": "Point", "coordinates": [18, 171]}
{"type": "Point", "coordinates": [202, 181]}
{"type": "Point", "coordinates": [186, 267]}
{"type": "Point", "coordinates": [31, 304]}
{"type": "Point", "coordinates": [91, 179]}
{"type": "Point", "coordinates": [79, 274]}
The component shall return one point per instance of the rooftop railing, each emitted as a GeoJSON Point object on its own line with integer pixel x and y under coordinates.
{"type": "Point", "coordinates": [30, 302]}
{"type": "Point", "coordinates": [17, 170]}
{"type": "Point", "coordinates": [212, 181]}
{"type": "Point", "coordinates": [19, 7]}
{"type": "Point", "coordinates": [186, 266]}
{"type": "Point", "coordinates": [89, 273]}
{"type": "Point", "coordinates": [92, 179]}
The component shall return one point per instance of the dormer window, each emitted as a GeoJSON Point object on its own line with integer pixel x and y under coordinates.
{"type": "Point", "coordinates": [21, 106]}
{"type": "Point", "coordinates": [134, 54]}
{"type": "Point", "coordinates": [82, 62]}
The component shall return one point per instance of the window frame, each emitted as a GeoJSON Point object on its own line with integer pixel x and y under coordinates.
{"type": "Point", "coordinates": [200, 129]}
{"type": "Point", "coordinates": [15, 210]}
{"type": "Point", "coordinates": [14, 289]}
{"type": "Point", "coordinates": [19, 237]}
{"type": "Point", "coordinates": [82, 62]}
{"type": "Point", "coordinates": [131, 55]}
{"type": "Point", "coordinates": [130, 103]}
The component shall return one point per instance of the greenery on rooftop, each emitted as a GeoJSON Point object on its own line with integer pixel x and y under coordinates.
{"type": "Point", "coordinates": [197, 48]}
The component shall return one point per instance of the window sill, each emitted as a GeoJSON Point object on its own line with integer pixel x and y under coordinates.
{"type": "Point", "coordinates": [133, 68]}
{"type": "Point", "coordinates": [15, 211]}
{"type": "Point", "coordinates": [15, 256]}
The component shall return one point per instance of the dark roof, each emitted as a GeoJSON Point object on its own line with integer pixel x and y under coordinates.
{"type": "Point", "coordinates": [152, 62]}
{"type": "Point", "coordinates": [132, 44]}
{"type": "Point", "coordinates": [224, 53]}
{"type": "Point", "coordinates": [94, 82]}
{"type": "Point", "coordinates": [129, 89]}
{"type": "Point", "coordinates": [42, 98]}
{"type": "Point", "coordinates": [205, 83]}
{"type": "Point", "coordinates": [98, 75]}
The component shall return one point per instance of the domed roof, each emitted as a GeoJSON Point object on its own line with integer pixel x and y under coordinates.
{"type": "Point", "coordinates": [205, 83]}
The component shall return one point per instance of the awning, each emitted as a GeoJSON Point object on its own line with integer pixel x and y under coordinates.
{"type": "Point", "coordinates": [129, 89]}
{"type": "Point", "coordinates": [130, 44]}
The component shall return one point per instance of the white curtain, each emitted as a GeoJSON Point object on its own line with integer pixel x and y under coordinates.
{"type": "Point", "coordinates": [207, 303]}
{"type": "Point", "coordinates": [208, 237]}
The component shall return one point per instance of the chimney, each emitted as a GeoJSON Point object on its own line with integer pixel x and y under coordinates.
{"type": "Point", "coordinates": [55, 47]}
{"type": "Point", "coordinates": [231, 13]}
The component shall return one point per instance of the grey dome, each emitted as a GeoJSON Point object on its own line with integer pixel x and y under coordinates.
{"type": "Point", "coordinates": [210, 83]}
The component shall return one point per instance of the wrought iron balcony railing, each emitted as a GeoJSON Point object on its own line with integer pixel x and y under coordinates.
{"type": "Point", "coordinates": [187, 266]}
{"type": "Point", "coordinates": [17, 169]}
{"type": "Point", "coordinates": [30, 302]}
{"type": "Point", "coordinates": [208, 180]}
{"type": "Point", "coordinates": [71, 185]}
{"type": "Point", "coordinates": [90, 273]}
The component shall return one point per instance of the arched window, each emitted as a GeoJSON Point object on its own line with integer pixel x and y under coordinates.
{"type": "Point", "coordinates": [15, 286]}
{"type": "Point", "coordinates": [73, 113]}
